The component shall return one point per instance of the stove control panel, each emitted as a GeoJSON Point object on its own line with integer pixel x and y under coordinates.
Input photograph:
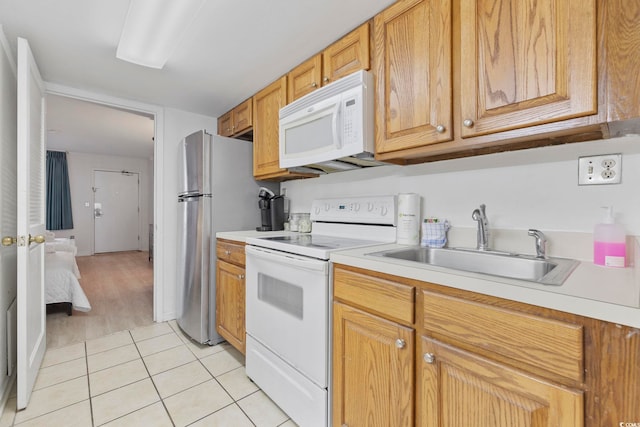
{"type": "Point", "coordinates": [356, 210]}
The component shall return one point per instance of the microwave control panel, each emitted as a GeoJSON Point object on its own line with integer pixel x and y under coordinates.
{"type": "Point", "coordinates": [351, 120]}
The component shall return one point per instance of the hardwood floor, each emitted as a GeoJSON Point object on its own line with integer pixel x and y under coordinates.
{"type": "Point", "coordinates": [119, 287]}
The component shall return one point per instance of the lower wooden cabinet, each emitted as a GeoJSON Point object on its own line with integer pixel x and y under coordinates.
{"type": "Point", "coordinates": [373, 370]}
{"type": "Point", "coordinates": [480, 361]}
{"type": "Point", "coordinates": [460, 388]}
{"type": "Point", "coordinates": [230, 294]}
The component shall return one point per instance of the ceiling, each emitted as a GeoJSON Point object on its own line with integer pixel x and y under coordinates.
{"type": "Point", "coordinates": [233, 49]}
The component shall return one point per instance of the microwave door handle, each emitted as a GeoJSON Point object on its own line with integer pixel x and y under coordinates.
{"type": "Point", "coordinates": [335, 123]}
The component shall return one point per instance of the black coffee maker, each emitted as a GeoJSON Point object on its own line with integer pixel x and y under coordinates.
{"type": "Point", "coordinates": [271, 210]}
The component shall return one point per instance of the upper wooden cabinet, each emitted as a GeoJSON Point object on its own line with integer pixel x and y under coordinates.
{"type": "Point", "coordinates": [347, 55]}
{"type": "Point", "coordinates": [455, 76]}
{"type": "Point", "coordinates": [238, 121]}
{"type": "Point", "coordinates": [305, 78]}
{"type": "Point", "coordinates": [412, 65]}
{"type": "Point", "coordinates": [266, 133]}
{"type": "Point", "coordinates": [266, 108]}
{"type": "Point", "coordinates": [523, 64]}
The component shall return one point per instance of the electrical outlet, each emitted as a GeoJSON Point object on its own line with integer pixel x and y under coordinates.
{"type": "Point", "coordinates": [606, 169]}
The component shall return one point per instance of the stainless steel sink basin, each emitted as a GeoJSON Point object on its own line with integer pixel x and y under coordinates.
{"type": "Point", "coordinates": [548, 271]}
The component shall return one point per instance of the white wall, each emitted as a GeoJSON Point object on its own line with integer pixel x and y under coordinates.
{"type": "Point", "coordinates": [8, 194]}
{"type": "Point", "coordinates": [177, 125]}
{"type": "Point", "coordinates": [81, 177]}
{"type": "Point", "coordinates": [534, 188]}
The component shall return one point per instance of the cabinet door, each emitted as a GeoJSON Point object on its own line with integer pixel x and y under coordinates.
{"type": "Point", "coordinates": [230, 293]}
{"type": "Point", "coordinates": [305, 78]}
{"type": "Point", "coordinates": [347, 55]}
{"type": "Point", "coordinates": [225, 124]}
{"type": "Point", "coordinates": [461, 389]}
{"type": "Point", "coordinates": [266, 110]}
{"type": "Point", "coordinates": [412, 63]}
{"type": "Point", "coordinates": [524, 63]}
{"type": "Point", "coordinates": [372, 370]}
{"type": "Point", "coordinates": [243, 117]}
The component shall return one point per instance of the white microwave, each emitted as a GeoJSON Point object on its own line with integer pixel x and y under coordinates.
{"type": "Point", "coordinates": [331, 125]}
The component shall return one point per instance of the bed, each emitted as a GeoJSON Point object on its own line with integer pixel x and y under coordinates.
{"type": "Point", "coordinates": [62, 288]}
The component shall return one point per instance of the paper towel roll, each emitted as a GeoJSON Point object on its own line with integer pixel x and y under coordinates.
{"type": "Point", "coordinates": [408, 224]}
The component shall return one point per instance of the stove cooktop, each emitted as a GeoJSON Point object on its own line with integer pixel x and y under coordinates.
{"type": "Point", "coordinates": [312, 245]}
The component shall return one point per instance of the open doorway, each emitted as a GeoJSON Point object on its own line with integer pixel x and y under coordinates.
{"type": "Point", "coordinates": [110, 154]}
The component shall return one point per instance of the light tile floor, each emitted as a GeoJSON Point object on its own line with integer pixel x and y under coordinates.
{"type": "Point", "coordinates": [150, 376]}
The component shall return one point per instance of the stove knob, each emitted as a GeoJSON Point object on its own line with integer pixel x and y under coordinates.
{"type": "Point", "coordinates": [317, 210]}
{"type": "Point", "coordinates": [383, 210]}
{"type": "Point", "coordinates": [370, 206]}
{"type": "Point", "coordinates": [356, 207]}
{"type": "Point", "coordinates": [327, 207]}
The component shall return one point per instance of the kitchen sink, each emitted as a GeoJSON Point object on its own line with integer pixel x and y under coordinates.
{"type": "Point", "coordinates": [548, 271]}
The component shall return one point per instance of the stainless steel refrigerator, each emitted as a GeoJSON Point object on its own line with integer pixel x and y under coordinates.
{"type": "Point", "coordinates": [216, 192]}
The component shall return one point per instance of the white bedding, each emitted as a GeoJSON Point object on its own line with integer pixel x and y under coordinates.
{"type": "Point", "coordinates": [61, 281]}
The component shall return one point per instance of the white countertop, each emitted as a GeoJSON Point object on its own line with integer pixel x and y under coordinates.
{"type": "Point", "coordinates": [241, 236]}
{"type": "Point", "coordinates": [610, 294]}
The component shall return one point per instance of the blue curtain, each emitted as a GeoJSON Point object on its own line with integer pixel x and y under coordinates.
{"type": "Point", "coordinates": [59, 215]}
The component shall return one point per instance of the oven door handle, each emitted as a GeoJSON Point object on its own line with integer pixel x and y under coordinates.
{"type": "Point", "coordinates": [287, 259]}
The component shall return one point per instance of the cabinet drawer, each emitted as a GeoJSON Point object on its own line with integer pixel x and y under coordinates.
{"type": "Point", "coordinates": [389, 299]}
{"type": "Point", "coordinates": [232, 252]}
{"type": "Point", "coordinates": [542, 344]}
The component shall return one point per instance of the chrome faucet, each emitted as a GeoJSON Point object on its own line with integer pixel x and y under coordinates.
{"type": "Point", "coordinates": [541, 243]}
{"type": "Point", "coordinates": [483, 228]}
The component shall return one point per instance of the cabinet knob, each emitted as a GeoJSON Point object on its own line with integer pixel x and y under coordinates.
{"type": "Point", "coordinates": [440, 129]}
{"type": "Point", "coordinates": [345, 425]}
{"type": "Point", "coordinates": [314, 84]}
{"type": "Point", "coordinates": [429, 357]}
{"type": "Point", "coordinates": [325, 79]}
{"type": "Point", "coordinates": [467, 123]}
{"type": "Point", "coordinates": [240, 276]}
{"type": "Point", "coordinates": [227, 252]}
{"type": "Point", "coordinates": [400, 343]}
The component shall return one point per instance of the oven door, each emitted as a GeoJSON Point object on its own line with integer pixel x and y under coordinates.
{"type": "Point", "coordinates": [287, 308]}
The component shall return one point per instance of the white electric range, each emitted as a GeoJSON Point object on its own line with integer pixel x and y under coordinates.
{"type": "Point", "coordinates": [288, 301]}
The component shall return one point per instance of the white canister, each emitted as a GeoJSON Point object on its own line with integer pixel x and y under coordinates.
{"type": "Point", "coordinates": [408, 224]}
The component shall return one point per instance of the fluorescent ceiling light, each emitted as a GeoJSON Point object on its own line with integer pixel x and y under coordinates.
{"type": "Point", "coordinates": [153, 29]}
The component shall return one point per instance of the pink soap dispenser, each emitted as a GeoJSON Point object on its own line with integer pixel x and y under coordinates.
{"type": "Point", "coordinates": [609, 242]}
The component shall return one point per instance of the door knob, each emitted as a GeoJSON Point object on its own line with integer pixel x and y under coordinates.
{"type": "Point", "coordinates": [8, 240]}
{"type": "Point", "coordinates": [38, 239]}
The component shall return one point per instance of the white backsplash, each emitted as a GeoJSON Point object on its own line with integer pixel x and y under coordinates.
{"type": "Point", "coordinates": [536, 188]}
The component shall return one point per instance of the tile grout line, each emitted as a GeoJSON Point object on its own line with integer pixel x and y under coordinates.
{"type": "Point", "coordinates": [152, 382]}
{"type": "Point", "coordinates": [86, 361]}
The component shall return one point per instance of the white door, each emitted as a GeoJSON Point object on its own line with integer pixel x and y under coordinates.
{"type": "Point", "coordinates": [31, 339]}
{"type": "Point", "coordinates": [116, 211]}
